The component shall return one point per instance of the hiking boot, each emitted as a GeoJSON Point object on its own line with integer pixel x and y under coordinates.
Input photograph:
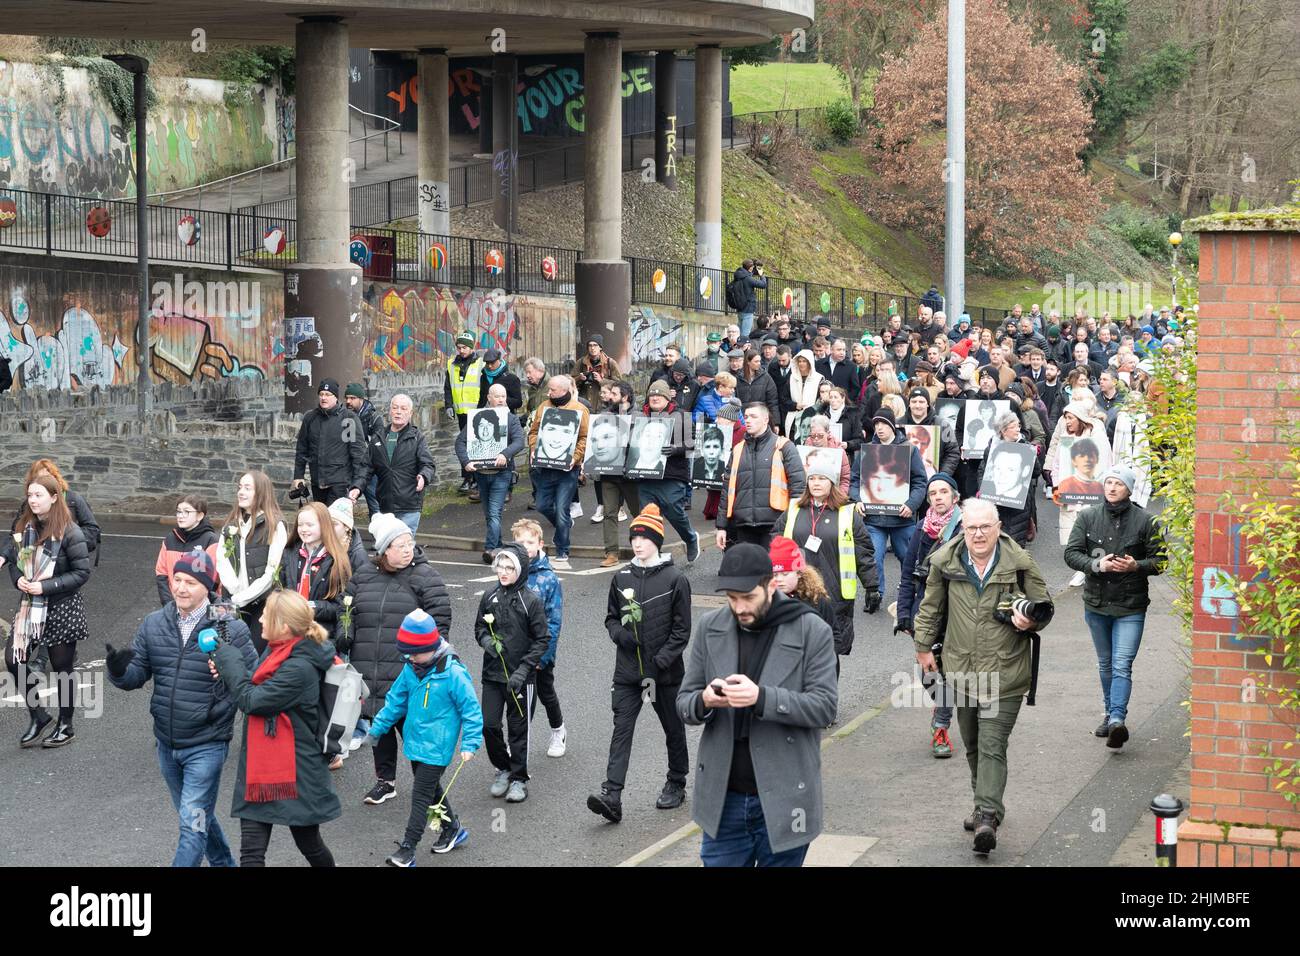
{"type": "Point", "coordinates": [63, 735]}
{"type": "Point", "coordinates": [611, 560]}
{"type": "Point", "coordinates": [450, 837]}
{"type": "Point", "coordinates": [381, 791]}
{"type": "Point", "coordinates": [672, 796]}
{"type": "Point", "coordinates": [405, 856]}
{"type": "Point", "coordinates": [501, 784]}
{"type": "Point", "coordinates": [608, 805]}
{"type": "Point", "coordinates": [1103, 728]}
{"type": "Point", "coordinates": [940, 745]}
{"type": "Point", "coordinates": [969, 823]}
{"type": "Point", "coordinates": [986, 832]}
{"type": "Point", "coordinates": [1116, 735]}
{"type": "Point", "coordinates": [518, 792]}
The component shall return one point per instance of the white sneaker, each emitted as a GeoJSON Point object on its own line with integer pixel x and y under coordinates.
{"type": "Point", "coordinates": [1077, 580]}
{"type": "Point", "coordinates": [622, 514]}
{"type": "Point", "coordinates": [599, 515]}
{"type": "Point", "coordinates": [556, 749]}
{"type": "Point", "coordinates": [575, 510]}
{"type": "Point", "coordinates": [561, 564]}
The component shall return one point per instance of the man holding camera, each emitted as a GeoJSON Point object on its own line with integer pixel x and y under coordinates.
{"type": "Point", "coordinates": [593, 368]}
{"type": "Point", "coordinates": [193, 713]}
{"type": "Point", "coordinates": [984, 598]}
{"type": "Point", "coordinates": [332, 440]}
{"type": "Point", "coordinates": [748, 277]}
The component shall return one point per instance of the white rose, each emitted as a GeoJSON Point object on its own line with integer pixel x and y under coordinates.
{"type": "Point", "coordinates": [18, 539]}
{"type": "Point", "coordinates": [489, 619]}
{"type": "Point", "coordinates": [629, 593]}
{"type": "Point", "coordinates": [347, 601]}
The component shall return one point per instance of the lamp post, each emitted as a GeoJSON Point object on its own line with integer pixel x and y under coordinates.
{"type": "Point", "coordinates": [1175, 240]}
{"type": "Point", "coordinates": [138, 67]}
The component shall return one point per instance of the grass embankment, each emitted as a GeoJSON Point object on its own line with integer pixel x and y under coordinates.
{"type": "Point", "coordinates": [779, 86]}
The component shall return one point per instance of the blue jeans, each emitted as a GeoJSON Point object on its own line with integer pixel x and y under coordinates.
{"type": "Point", "coordinates": [1116, 640]}
{"type": "Point", "coordinates": [193, 774]}
{"type": "Point", "coordinates": [492, 491]}
{"type": "Point", "coordinates": [555, 491]}
{"type": "Point", "coordinates": [671, 498]}
{"type": "Point", "coordinates": [411, 519]}
{"type": "Point", "coordinates": [742, 838]}
{"type": "Point", "coordinates": [371, 492]}
{"type": "Point", "coordinates": [746, 323]}
{"type": "Point", "coordinates": [900, 537]}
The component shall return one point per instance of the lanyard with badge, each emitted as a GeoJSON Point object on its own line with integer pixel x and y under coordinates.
{"type": "Point", "coordinates": [814, 543]}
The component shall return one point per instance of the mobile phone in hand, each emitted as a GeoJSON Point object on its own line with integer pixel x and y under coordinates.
{"type": "Point", "coordinates": [719, 688]}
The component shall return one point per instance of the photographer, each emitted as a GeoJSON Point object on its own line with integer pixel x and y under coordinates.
{"type": "Point", "coordinates": [591, 369]}
{"type": "Point", "coordinates": [1115, 592]}
{"type": "Point", "coordinates": [983, 597]}
{"type": "Point", "coordinates": [193, 715]}
{"type": "Point", "coordinates": [747, 278]}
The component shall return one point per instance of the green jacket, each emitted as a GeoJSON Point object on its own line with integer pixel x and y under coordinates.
{"type": "Point", "coordinates": [974, 644]}
{"type": "Point", "coordinates": [1126, 529]}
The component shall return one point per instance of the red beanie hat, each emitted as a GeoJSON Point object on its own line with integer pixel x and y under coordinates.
{"type": "Point", "coordinates": [786, 555]}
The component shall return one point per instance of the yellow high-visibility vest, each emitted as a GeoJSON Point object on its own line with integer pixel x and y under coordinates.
{"type": "Point", "coordinates": [464, 393]}
{"type": "Point", "coordinates": [848, 554]}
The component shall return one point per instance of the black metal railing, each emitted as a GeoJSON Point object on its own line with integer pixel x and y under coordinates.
{"type": "Point", "coordinates": [56, 223]}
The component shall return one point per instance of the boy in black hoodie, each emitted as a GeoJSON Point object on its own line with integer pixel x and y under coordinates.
{"type": "Point", "coordinates": [512, 630]}
{"type": "Point", "coordinates": [654, 599]}
{"type": "Point", "coordinates": [192, 532]}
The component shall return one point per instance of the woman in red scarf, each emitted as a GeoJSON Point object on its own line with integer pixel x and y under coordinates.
{"type": "Point", "coordinates": [282, 776]}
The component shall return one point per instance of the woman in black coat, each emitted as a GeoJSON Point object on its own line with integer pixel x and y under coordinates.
{"type": "Point", "coordinates": [383, 592]}
{"type": "Point", "coordinates": [281, 777]}
{"type": "Point", "coordinates": [48, 564]}
{"type": "Point", "coordinates": [78, 507]}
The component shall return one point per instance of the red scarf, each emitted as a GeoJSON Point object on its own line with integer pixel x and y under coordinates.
{"type": "Point", "coordinates": [271, 770]}
{"type": "Point", "coordinates": [309, 566]}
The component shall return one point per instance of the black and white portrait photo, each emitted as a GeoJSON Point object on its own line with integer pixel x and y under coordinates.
{"type": "Point", "coordinates": [486, 431]}
{"type": "Point", "coordinates": [606, 445]}
{"type": "Point", "coordinates": [948, 411]}
{"type": "Point", "coordinates": [979, 432]}
{"type": "Point", "coordinates": [712, 456]}
{"type": "Point", "coordinates": [557, 438]}
{"type": "Point", "coordinates": [645, 454]}
{"type": "Point", "coordinates": [1008, 473]}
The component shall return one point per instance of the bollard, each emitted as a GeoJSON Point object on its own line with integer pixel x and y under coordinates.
{"type": "Point", "coordinates": [1166, 808]}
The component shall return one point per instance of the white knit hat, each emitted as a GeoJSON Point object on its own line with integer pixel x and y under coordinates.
{"type": "Point", "coordinates": [341, 511]}
{"type": "Point", "coordinates": [386, 529]}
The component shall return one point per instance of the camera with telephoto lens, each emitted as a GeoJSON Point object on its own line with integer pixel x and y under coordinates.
{"type": "Point", "coordinates": [301, 491]}
{"type": "Point", "coordinates": [1040, 612]}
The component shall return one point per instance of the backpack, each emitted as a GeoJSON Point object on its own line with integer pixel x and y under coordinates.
{"type": "Point", "coordinates": [342, 694]}
{"type": "Point", "coordinates": [737, 294]}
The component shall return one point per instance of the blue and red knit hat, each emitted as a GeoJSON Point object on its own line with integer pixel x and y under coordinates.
{"type": "Point", "coordinates": [418, 633]}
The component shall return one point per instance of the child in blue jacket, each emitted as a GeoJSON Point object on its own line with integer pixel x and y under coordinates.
{"type": "Point", "coordinates": [435, 695]}
{"type": "Point", "coordinates": [543, 581]}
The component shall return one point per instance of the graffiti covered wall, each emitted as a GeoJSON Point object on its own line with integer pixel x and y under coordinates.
{"type": "Point", "coordinates": [73, 326]}
{"type": "Point", "coordinates": [70, 139]}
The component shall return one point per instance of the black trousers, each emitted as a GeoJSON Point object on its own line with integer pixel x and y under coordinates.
{"type": "Point", "coordinates": [62, 657]}
{"type": "Point", "coordinates": [750, 534]}
{"type": "Point", "coordinates": [496, 701]}
{"type": "Point", "coordinates": [626, 700]}
{"type": "Point", "coordinates": [386, 753]}
{"type": "Point", "coordinates": [328, 494]}
{"type": "Point", "coordinates": [425, 792]}
{"type": "Point", "coordinates": [550, 700]}
{"type": "Point", "coordinates": [255, 836]}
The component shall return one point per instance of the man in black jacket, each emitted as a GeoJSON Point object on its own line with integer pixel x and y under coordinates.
{"type": "Point", "coordinates": [780, 370]}
{"type": "Point", "coordinates": [354, 396]}
{"type": "Point", "coordinates": [401, 459]}
{"type": "Point", "coordinates": [649, 621]}
{"type": "Point", "coordinates": [1117, 545]}
{"type": "Point", "coordinates": [496, 372]}
{"type": "Point", "coordinates": [193, 714]}
{"type": "Point", "coordinates": [750, 276]}
{"type": "Point", "coordinates": [332, 440]}
{"type": "Point", "coordinates": [838, 370]}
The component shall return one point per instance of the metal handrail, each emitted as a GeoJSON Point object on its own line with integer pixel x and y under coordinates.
{"type": "Point", "coordinates": [229, 180]}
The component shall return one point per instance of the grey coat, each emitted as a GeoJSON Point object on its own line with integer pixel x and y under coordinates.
{"type": "Point", "coordinates": [800, 695]}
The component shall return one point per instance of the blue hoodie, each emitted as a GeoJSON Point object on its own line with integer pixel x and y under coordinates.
{"type": "Point", "coordinates": [542, 580]}
{"type": "Point", "coordinates": [440, 708]}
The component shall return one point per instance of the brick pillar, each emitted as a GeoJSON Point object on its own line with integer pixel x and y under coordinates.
{"type": "Point", "coordinates": [1249, 280]}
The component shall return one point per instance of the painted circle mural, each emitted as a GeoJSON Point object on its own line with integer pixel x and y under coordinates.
{"type": "Point", "coordinates": [494, 262]}
{"type": "Point", "coordinates": [437, 256]}
{"type": "Point", "coordinates": [706, 287]}
{"type": "Point", "coordinates": [8, 212]}
{"type": "Point", "coordinates": [859, 307]}
{"type": "Point", "coordinates": [359, 252]}
{"type": "Point", "coordinates": [660, 280]}
{"type": "Point", "coordinates": [549, 268]}
{"type": "Point", "coordinates": [188, 230]}
{"type": "Point", "coordinates": [787, 298]}
{"type": "Point", "coordinates": [825, 301]}
{"type": "Point", "coordinates": [98, 222]}
{"type": "Point", "coordinates": [273, 240]}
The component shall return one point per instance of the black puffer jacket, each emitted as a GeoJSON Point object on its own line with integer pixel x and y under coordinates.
{"type": "Point", "coordinates": [71, 566]}
{"type": "Point", "coordinates": [188, 707]}
{"type": "Point", "coordinates": [761, 389]}
{"type": "Point", "coordinates": [85, 519]}
{"type": "Point", "coordinates": [754, 481]}
{"type": "Point", "coordinates": [380, 602]}
{"type": "Point", "coordinates": [293, 690]}
{"type": "Point", "coordinates": [1123, 529]}
{"type": "Point", "coordinates": [322, 445]}
{"type": "Point", "coordinates": [518, 622]}
{"type": "Point", "coordinates": [322, 566]}
{"type": "Point", "coordinates": [664, 594]}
